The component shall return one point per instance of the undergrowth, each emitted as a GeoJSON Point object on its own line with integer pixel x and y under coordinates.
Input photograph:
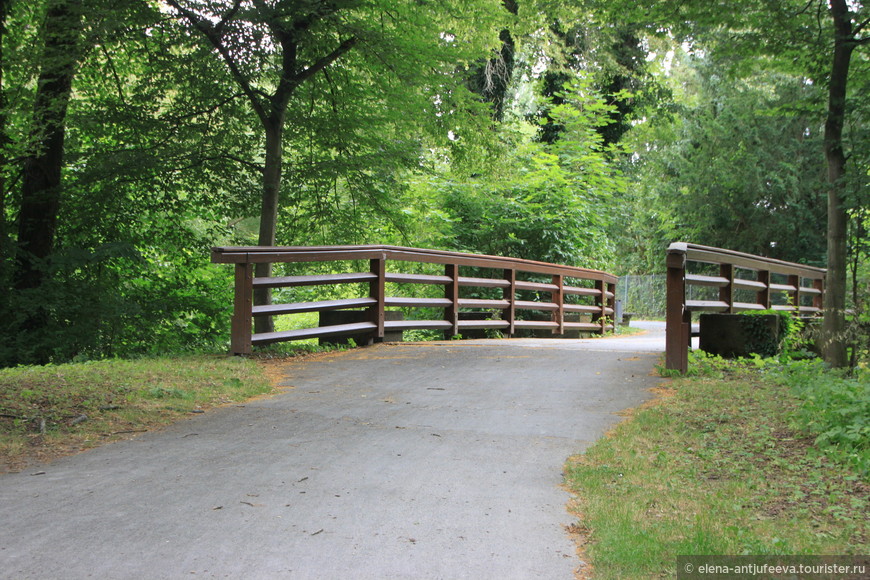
{"type": "Point", "coordinates": [756, 457]}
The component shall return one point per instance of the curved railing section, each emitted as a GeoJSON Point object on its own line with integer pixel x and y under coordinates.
{"type": "Point", "coordinates": [565, 290]}
{"type": "Point", "coordinates": [743, 282]}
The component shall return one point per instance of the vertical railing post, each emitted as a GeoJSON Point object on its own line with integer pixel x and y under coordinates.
{"type": "Point", "coordinates": [795, 295]}
{"type": "Point", "coordinates": [678, 329]}
{"type": "Point", "coordinates": [558, 298]}
{"type": "Point", "coordinates": [242, 321]}
{"type": "Point", "coordinates": [377, 290]}
{"type": "Point", "coordinates": [763, 296]}
{"type": "Point", "coordinates": [510, 294]}
{"type": "Point", "coordinates": [611, 303]}
{"type": "Point", "coordinates": [726, 293]}
{"type": "Point", "coordinates": [451, 292]}
{"type": "Point", "coordinates": [819, 299]}
{"type": "Point", "coordinates": [601, 303]}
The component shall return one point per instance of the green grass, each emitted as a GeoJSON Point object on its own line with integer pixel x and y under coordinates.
{"type": "Point", "coordinates": [722, 464]}
{"type": "Point", "coordinates": [54, 410]}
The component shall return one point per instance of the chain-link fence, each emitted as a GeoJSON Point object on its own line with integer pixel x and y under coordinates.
{"type": "Point", "coordinates": [643, 297]}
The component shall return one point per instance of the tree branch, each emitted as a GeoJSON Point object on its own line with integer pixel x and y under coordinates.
{"type": "Point", "coordinates": [258, 167]}
{"type": "Point", "coordinates": [219, 27]}
{"type": "Point", "coordinates": [206, 111]}
{"type": "Point", "coordinates": [118, 85]}
{"type": "Point", "coordinates": [806, 7]}
{"type": "Point", "coordinates": [216, 38]}
{"type": "Point", "coordinates": [861, 25]}
{"type": "Point", "coordinates": [327, 60]}
{"type": "Point", "coordinates": [290, 79]}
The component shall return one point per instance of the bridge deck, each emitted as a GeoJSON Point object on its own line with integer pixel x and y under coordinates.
{"type": "Point", "coordinates": [396, 461]}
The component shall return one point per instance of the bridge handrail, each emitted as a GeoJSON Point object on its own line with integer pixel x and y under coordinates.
{"type": "Point", "coordinates": [680, 308]}
{"type": "Point", "coordinates": [242, 337]}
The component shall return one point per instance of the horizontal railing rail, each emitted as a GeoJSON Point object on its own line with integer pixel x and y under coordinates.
{"type": "Point", "coordinates": [569, 290]}
{"type": "Point", "coordinates": [743, 282]}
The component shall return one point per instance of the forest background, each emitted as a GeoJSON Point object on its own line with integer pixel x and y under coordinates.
{"type": "Point", "coordinates": [136, 135]}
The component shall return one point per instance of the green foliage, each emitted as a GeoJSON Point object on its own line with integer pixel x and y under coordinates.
{"type": "Point", "coordinates": [164, 156]}
{"type": "Point", "coordinates": [858, 317]}
{"type": "Point", "coordinates": [124, 300]}
{"type": "Point", "coordinates": [834, 408]}
{"type": "Point", "coordinates": [162, 163]}
{"type": "Point", "coordinates": [758, 137]}
{"type": "Point", "coordinates": [789, 341]}
{"type": "Point", "coordinates": [555, 204]}
{"type": "Point", "coordinates": [831, 406]}
{"type": "Point", "coordinates": [701, 364]}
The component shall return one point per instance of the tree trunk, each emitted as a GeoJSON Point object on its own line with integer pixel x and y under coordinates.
{"type": "Point", "coordinates": [833, 328]}
{"type": "Point", "coordinates": [492, 78]}
{"type": "Point", "coordinates": [4, 142]}
{"type": "Point", "coordinates": [40, 187]}
{"type": "Point", "coordinates": [274, 127]}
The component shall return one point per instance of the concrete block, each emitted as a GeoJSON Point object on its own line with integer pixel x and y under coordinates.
{"type": "Point", "coordinates": [740, 335]}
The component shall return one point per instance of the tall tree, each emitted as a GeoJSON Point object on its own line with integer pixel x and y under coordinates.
{"type": "Point", "coordinates": [492, 78]}
{"type": "Point", "coordinates": [286, 29]}
{"type": "Point", "coordinates": [815, 38]}
{"type": "Point", "coordinates": [41, 187]}
{"type": "Point", "coordinates": [848, 33]}
{"type": "Point", "coordinates": [758, 136]}
{"type": "Point", "coordinates": [271, 49]}
{"type": "Point", "coordinates": [4, 135]}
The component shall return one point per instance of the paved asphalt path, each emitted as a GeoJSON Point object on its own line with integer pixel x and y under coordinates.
{"type": "Point", "coordinates": [409, 461]}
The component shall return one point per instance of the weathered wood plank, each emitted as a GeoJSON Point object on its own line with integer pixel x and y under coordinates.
{"type": "Point", "coordinates": [299, 307]}
{"type": "Point", "coordinates": [303, 333]}
{"type": "Point", "coordinates": [317, 280]}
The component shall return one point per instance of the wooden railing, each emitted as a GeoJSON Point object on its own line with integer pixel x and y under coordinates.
{"type": "Point", "coordinates": [569, 290]}
{"type": "Point", "coordinates": [772, 285]}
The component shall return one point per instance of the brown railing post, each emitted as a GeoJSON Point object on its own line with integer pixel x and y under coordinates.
{"type": "Point", "coordinates": [726, 293]}
{"type": "Point", "coordinates": [451, 292]}
{"type": "Point", "coordinates": [601, 302]}
{"type": "Point", "coordinates": [242, 321]}
{"type": "Point", "coordinates": [510, 294]}
{"type": "Point", "coordinates": [377, 290]}
{"type": "Point", "coordinates": [678, 332]}
{"type": "Point", "coordinates": [763, 296]}
{"type": "Point", "coordinates": [795, 297]}
{"type": "Point", "coordinates": [611, 303]}
{"type": "Point", "coordinates": [819, 299]}
{"type": "Point", "coordinates": [558, 298]}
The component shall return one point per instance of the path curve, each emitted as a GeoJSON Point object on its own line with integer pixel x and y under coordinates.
{"type": "Point", "coordinates": [418, 461]}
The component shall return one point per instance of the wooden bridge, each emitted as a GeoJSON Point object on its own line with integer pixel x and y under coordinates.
{"type": "Point", "coordinates": [501, 287]}
{"type": "Point", "coordinates": [457, 292]}
{"type": "Point", "coordinates": [740, 281]}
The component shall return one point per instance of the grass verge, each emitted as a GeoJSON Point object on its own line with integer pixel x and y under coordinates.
{"type": "Point", "coordinates": [55, 410]}
{"type": "Point", "coordinates": [718, 465]}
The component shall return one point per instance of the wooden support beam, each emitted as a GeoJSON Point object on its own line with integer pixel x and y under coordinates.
{"type": "Point", "coordinates": [676, 341]}
{"type": "Point", "coordinates": [242, 321]}
{"type": "Point", "coordinates": [510, 294]}
{"type": "Point", "coordinates": [451, 292]}
{"type": "Point", "coordinates": [795, 296]}
{"type": "Point", "coordinates": [377, 291]}
{"type": "Point", "coordinates": [763, 296]}
{"type": "Point", "coordinates": [558, 298]}
{"type": "Point", "coordinates": [726, 292]}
